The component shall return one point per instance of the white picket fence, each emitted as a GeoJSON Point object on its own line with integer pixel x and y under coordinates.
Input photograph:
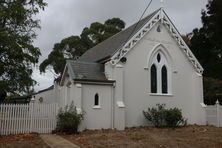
{"type": "Point", "coordinates": [214, 114]}
{"type": "Point", "coordinates": [27, 118]}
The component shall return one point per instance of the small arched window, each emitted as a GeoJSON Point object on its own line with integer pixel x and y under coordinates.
{"type": "Point", "coordinates": [164, 80]}
{"type": "Point", "coordinates": [153, 79]}
{"type": "Point", "coordinates": [96, 100]}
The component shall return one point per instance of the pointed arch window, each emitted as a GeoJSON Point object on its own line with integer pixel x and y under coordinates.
{"type": "Point", "coordinates": [164, 80]}
{"type": "Point", "coordinates": [159, 74]}
{"type": "Point", "coordinates": [153, 79]}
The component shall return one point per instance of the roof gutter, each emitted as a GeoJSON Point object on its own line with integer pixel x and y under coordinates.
{"type": "Point", "coordinates": [95, 82]}
{"type": "Point", "coordinates": [104, 60]}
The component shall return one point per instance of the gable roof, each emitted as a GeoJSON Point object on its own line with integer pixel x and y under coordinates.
{"type": "Point", "coordinates": [108, 47]}
{"type": "Point", "coordinates": [86, 71]}
{"type": "Point", "coordinates": [118, 46]}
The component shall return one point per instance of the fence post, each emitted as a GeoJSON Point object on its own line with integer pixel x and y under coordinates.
{"type": "Point", "coordinates": [32, 101]}
{"type": "Point", "coordinates": [218, 113]}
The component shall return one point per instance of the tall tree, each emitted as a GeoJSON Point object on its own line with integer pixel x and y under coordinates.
{"type": "Point", "coordinates": [74, 46]}
{"type": "Point", "coordinates": [206, 42]}
{"type": "Point", "coordinates": [68, 48]}
{"type": "Point", "coordinates": [17, 54]}
{"type": "Point", "coordinates": [3, 95]}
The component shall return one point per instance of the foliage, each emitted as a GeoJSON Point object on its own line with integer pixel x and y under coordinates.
{"type": "Point", "coordinates": [68, 48]}
{"type": "Point", "coordinates": [212, 91]}
{"type": "Point", "coordinates": [17, 54]}
{"type": "Point", "coordinates": [74, 46]}
{"type": "Point", "coordinates": [3, 95]}
{"type": "Point", "coordinates": [161, 117]}
{"type": "Point", "coordinates": [206, 42]}
{"type": "Point", "coordinates": [174, 117]}
{"type": "Point", "coordinates": [156, 115]}
{"type": "Point", "coordinates": [68, 119]}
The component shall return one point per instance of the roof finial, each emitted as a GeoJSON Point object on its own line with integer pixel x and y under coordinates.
{"type": "Point", "coordinates": [161, 10]}
{"type": "Point", "coordinates": [161, 4]}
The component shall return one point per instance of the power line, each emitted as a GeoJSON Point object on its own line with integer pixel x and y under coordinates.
{"type": "Point", "coordinates": [139, 20]}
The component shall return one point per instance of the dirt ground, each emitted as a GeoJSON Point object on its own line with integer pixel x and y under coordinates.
{"type": "Point", "coordinates": [185, 137]}
{"type": "Point", "coordinates": [22, 141]}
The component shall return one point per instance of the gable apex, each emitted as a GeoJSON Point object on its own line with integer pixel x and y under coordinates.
{"type": "Point", "coordinates": [162, 17]}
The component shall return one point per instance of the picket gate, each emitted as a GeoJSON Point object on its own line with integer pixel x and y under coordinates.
{"type": "Point", "coordinates": [27, 118]}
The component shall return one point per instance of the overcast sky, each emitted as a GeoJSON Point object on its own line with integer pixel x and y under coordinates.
{"type": "Point", "coordinates": [63, 18]}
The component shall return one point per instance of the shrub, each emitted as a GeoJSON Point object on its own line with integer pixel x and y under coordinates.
{"type": "Point", "coordinates": [68, 119]}
{"type": "Point", "coordinates": [155, 115]}
{"type": "Point", "coordinates": [174, 117]}
{"type": "Point", "coordinates": [161, 117]}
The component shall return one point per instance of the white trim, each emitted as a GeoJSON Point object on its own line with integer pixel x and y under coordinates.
{"type": "Point", "coordinates": [79, 85]}
{"type": "Point", "coordinates": [166, 60]}
{"type": "Point", "coordinates": [96, 107]}
{"type": "Point", "coordinates": [160, 94]}
{"type": "Point", "coordinates": [203, 105]}
{"type": "Point", "coordinates": [160, 16]}
{"type": "Point", "coordinates": [169, 25]}
{"type": "Point", "coordinates": [119, 66]}
{"type": "Point", "coordinates": [200, 75]}
{"type": "Point", "coordinates": [154, 50]}
{"type": "Point", "coordinates": [134, 40]}
{"type": "Point", "coordinates": [120, 104]}
{"type": "Point", "coordinates": [150, 55]}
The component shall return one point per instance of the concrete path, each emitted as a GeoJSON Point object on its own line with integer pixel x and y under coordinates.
{"type": "Point", "coordinates": [55, 141]}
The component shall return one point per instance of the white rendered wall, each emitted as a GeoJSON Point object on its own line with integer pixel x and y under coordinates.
{"type": "Point", "coordinates": [95, 117]}
{"type": "Point", "coordinates": [48, 97]}
{"type": "Point", "coordinates": [186, 84]}
{"type": "Point", "coordinates": [65, 92]}
{"type": "Point", "coordinates": [57, 91]}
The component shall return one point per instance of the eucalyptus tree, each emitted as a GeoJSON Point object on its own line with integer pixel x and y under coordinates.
{"type": "Point", "coordinates": [74, 46]}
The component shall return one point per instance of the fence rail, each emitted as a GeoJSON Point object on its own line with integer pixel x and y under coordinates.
{"type": "Point", "coordinates": [27, 118]}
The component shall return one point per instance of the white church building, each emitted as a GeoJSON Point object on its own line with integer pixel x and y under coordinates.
{"type": "Point", "coordinates": [119, 78]}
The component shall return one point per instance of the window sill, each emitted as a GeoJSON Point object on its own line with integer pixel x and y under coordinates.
{"type": "Point", "coordinates": [96, 107]}
{"type": "Point", "coordinates": [158, 94]}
